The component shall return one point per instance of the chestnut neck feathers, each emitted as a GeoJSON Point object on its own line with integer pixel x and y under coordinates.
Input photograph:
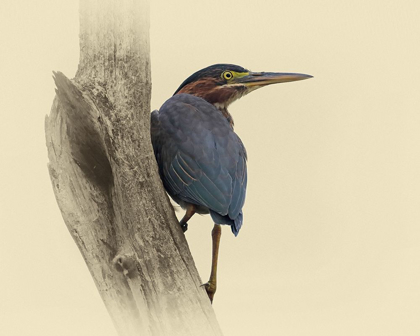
{"type": "Point", "coordinates": [211, 90]}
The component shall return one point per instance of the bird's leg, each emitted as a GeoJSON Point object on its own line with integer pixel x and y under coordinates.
{"type": "Point", "coordinates": [191, 208]}
{"type": "Point", "coordinates": [211, 285]}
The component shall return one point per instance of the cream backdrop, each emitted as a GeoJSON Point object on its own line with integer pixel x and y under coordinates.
{"type": "Point", "coordinates": [330, 243]}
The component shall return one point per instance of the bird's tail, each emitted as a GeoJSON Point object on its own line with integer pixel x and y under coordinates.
{"type": "Point", "coordinates": [235, 224]}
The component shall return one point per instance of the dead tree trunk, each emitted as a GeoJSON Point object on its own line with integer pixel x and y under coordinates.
{"type": "Point", "coordinates": [107, 185]}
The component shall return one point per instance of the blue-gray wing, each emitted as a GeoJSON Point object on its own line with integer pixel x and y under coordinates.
{"type": "Point", "coordinates": [201, 160]}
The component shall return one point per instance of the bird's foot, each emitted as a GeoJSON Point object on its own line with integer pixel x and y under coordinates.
{"type": "Point", "coordinates": [210, 288]}
{"type": "Point", "coordinates": [184, 226]}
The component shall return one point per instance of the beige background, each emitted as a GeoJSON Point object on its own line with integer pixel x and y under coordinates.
{"type": "Point", "coordinates": [330, 243]}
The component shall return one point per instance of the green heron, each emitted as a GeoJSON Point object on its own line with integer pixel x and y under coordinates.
{"type": "Point", "coordinates": [201, 160]}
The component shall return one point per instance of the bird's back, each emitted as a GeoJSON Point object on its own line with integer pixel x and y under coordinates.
{"type": "Point", "coordinates": [201, 160]}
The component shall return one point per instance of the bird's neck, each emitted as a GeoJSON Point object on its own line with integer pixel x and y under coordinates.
{"type": "Point", "coordinates": [223, 109]}
{"type": "Point", "coordinates": [219, 96]}
{"type": "Point", "coordinates": [221, 102]}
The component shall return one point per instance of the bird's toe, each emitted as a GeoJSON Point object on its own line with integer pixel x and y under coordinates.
{"type": "Point", "coordinates": [210, 288]}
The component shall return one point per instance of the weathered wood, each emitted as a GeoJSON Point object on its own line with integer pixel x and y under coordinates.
{"type": "Point", "coordinates": [107, 185]}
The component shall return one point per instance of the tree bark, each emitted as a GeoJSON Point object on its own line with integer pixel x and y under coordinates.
{"type": "Point", "coordinates": [107, 185]}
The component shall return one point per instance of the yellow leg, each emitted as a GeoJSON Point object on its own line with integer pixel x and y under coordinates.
{"type": "Point", "coordinates": [211, 285]}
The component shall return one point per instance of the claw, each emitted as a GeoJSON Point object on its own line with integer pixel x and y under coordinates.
{"type": "Point", "coordinates": [184, 226]}
{"type": "Point", "coordinates": [210, 288]}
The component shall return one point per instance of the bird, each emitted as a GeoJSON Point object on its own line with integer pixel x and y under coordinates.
{"type": "Point", "coordinates": [202, 162]}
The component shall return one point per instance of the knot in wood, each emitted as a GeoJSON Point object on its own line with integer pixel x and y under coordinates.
{"type": "Point", "coordinates": [126, 264]}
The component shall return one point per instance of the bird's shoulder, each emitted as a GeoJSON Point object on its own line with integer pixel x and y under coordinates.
{"type": "Point", "coordinates": [196, 127]}
{"type": "Point", "coordinates": [188, 108]}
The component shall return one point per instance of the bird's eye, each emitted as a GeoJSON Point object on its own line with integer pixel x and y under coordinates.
{"type": "Point", "coordinates": [227, 75]}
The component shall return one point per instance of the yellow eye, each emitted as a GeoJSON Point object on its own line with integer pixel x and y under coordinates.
{"type": "Point", "coordinates": [227, 75]}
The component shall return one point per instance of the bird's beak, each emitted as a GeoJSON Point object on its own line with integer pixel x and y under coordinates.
{"type": "Point", "coordinates": [259, 79]}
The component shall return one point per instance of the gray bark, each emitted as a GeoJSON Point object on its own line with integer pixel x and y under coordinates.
{"type": "Point", "coordinates": [106, 182]}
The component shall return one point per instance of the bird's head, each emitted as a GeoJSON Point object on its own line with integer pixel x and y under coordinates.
{"type": "Point", "coordinates": [222, 84]}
